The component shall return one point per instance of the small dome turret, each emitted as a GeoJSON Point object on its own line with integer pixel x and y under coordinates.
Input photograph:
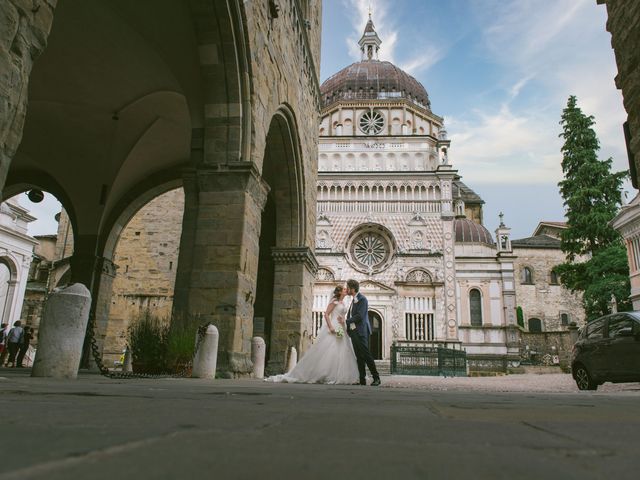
{"type": "Point", "coordinates": [468, 231]}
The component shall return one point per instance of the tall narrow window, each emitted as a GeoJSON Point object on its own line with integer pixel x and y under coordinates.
{"type": "Point", "coordinates": [475, 306]}
{"type": "Point", "coordinates": [564, 319]}
{"type": "Point", "coordinates": [554, 279]}
{"type": "Point", "coordinates": [527, 275]}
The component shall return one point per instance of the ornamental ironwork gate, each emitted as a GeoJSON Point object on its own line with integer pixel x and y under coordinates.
{"type": "Point", "coordinates": [428, 359]}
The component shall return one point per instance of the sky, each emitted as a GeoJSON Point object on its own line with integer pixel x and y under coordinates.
{"type": "Point", "coordinates": [499, 72]}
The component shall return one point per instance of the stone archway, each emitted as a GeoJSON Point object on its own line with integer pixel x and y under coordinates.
{"type": "Point", "coordinates": [8, 282]}
{"type": "Point", "coordinates": [145, 199]}
{"type": "Point", "coordinates": [286, 265]}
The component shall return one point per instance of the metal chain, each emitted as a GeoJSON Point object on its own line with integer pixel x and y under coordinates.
{"type": "Point", "coordinates": [104, 370]}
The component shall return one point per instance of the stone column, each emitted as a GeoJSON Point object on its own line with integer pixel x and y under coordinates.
{"type": "Point", "coordinates": [448, 254]}
{"type": "Point", "coordinates": [187, 239]}
{"type": "Point", "coordinates": [84, 262]}
{"type": "Point", "coordinates": [24, 28]}
{"type": "Point", "coordinates": [295, 270]}
{"type": "Point", "coordinates": [9, 303]}
{"type": "Point", "coordinates": [103, 289]}
{"type": "Point", "coordinates": [86, 268]}
{"type": "Point", "coordinates": [218, 263]}
{"type": "Point", "coordinates": [512, 332]}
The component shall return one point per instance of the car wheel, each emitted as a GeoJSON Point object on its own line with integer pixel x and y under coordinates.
{"type": "Point", "coordinates": [584, 380]}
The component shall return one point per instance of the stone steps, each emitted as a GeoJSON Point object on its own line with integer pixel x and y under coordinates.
{"type": "Point", "coordinates": [384, 367]}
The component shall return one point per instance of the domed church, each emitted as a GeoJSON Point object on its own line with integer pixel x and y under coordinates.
{"type": "Point", "coordinates": [394, 214]}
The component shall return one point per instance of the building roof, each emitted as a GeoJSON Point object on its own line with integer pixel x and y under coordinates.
{"type": "Point", "coordinates": [465, 193]}
{"type": "Point", "coordinates": [553, 226]}
{"type": "Point", "coordinates": [369, 28]}
{"type": "Point", "coordinates": [373, 80]}
{"type": "Point", "coordinates": [537, 241]}
{"type": "Point", "coordinates": [468, 231]}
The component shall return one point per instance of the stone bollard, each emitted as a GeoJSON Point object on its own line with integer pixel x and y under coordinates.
{"type": "Point", "coordinates": [258, 351]}
{"type": "Point", "coordinates": [293, 359]}
{"type": "Point", "coordinates": [62, 331]}
{"type": "Point", "coordinates": [204, 363]}
{"type": "Point", "coordinates": [127, 365]}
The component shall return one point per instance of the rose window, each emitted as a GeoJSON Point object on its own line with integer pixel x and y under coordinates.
{"type": "Point", "coordinates": [371, 123]}
{"type": "Point", "coordinates": [369, 250]}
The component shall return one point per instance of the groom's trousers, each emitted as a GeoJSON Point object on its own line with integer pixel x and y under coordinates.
{"type": "Point", "coordinates": [363, 356]}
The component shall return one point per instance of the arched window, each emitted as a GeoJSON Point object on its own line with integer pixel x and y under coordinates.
{"type": "Point", "coordinates": [527, 275]}
{"type": "Point", "coordinates": [535, 325]}
{"type": "Point", "coordinates": [554, 278]}
{"type": "Point", "coordinates": [475, 307]}
{"type": "Point", "coordinates": [564, 319]}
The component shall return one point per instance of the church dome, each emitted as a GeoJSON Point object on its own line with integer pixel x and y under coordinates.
{"type": "Point", "coordinates": [373, 79]}
{"type": "Point", "coordinates": [468, 231]}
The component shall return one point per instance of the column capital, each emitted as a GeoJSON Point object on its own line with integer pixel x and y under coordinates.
{"type": "Point", "coordinates": [236, 176]}
{"type": "Point", "coordinates": [290, 255]}
{"type": "Point", "coordinates": [106, 266]}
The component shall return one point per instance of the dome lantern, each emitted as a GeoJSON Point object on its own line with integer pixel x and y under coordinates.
{"type": "Point", "coordinates": [369, 42]}
{"type": "Point", "coordinates": [373, 79]}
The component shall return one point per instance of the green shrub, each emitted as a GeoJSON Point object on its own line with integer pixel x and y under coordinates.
{"type": "Point", "coordinates": [180, 344]}
{"type": "Point", "coordinates": [520, 316]}
{"type": "Point", "coordinates": [147, 339]}
{"type": "Point", "coordinates": [159, 345]}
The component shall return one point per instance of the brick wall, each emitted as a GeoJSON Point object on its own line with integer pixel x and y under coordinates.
{"type": "Point", "coordinates": [534, 347]}
{"type": "Point", "coordinates": [147, 258]}
{"type": "Point", "coordinates": [542, 299]}
{"type": "Point", "coordinates": [624, 25]}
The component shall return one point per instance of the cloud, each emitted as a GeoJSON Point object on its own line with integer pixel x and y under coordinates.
{"type": "Point", "coordinates": [552, 52]}
{"type": "Point", "coordinates": [423, 60]}
{"type": "Point", "coordinates": [514, 91]}
{"type": "Point", "coordinates": [504, 146]}
{"type": "Point", "coordinates": [420, 52]}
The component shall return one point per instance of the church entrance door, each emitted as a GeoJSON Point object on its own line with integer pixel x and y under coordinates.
{"type": "Point", "coordinates": [375, 340]}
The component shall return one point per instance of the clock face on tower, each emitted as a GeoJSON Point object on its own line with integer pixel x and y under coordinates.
{"type": "Point", "coordinates": [371, 122]}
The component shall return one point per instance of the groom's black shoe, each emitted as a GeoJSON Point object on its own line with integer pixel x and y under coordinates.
{"type": "Point", "coordinates": [376, 382]}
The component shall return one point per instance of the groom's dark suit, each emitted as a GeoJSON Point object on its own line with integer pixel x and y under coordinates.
{"type": "Point", "coordinates": [358, 315]}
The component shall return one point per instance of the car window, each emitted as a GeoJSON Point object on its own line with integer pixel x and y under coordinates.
{"type": "Point", "coordinates": [595, 329]}
{"type": "Point", "coordinates": [617, 323]}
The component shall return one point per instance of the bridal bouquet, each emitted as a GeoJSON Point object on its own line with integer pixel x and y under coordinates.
{"type": "Point", "coordinates": [339, 332]}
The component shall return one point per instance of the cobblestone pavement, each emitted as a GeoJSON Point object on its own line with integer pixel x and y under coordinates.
{"type": "Point", "coordinates": [542, 383]}
{"type": "Point", "coordinates": [511, 427]}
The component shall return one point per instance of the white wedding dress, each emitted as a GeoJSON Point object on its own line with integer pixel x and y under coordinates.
{"type": "Point", "coordinates": [330, 360]}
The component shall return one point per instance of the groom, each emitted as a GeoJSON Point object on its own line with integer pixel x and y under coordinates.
{"type": "Point", "coordinates": [359, 330]}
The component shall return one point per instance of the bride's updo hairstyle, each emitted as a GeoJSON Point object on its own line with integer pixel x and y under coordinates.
{"type": "Point", "coordinates": [337, 291]}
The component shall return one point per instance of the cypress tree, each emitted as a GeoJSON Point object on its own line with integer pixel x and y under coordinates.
{"type": "Point", "coordinates": [591, 194]}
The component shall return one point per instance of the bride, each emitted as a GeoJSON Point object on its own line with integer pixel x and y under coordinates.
{"type": "Point", "coordinates": [330, 359]}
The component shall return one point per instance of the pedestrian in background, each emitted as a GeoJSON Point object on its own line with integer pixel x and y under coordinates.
{"type": "Point", "coordinates": [14, 339]}
{"type": "Point", "coordinates": [24, 345]}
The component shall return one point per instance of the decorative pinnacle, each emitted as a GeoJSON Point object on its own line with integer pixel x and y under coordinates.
{"type": "Point", "coordinates": [501, 215]}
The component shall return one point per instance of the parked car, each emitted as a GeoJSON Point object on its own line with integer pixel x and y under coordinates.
{"type": "Point", "coordinates": [607, 350]}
